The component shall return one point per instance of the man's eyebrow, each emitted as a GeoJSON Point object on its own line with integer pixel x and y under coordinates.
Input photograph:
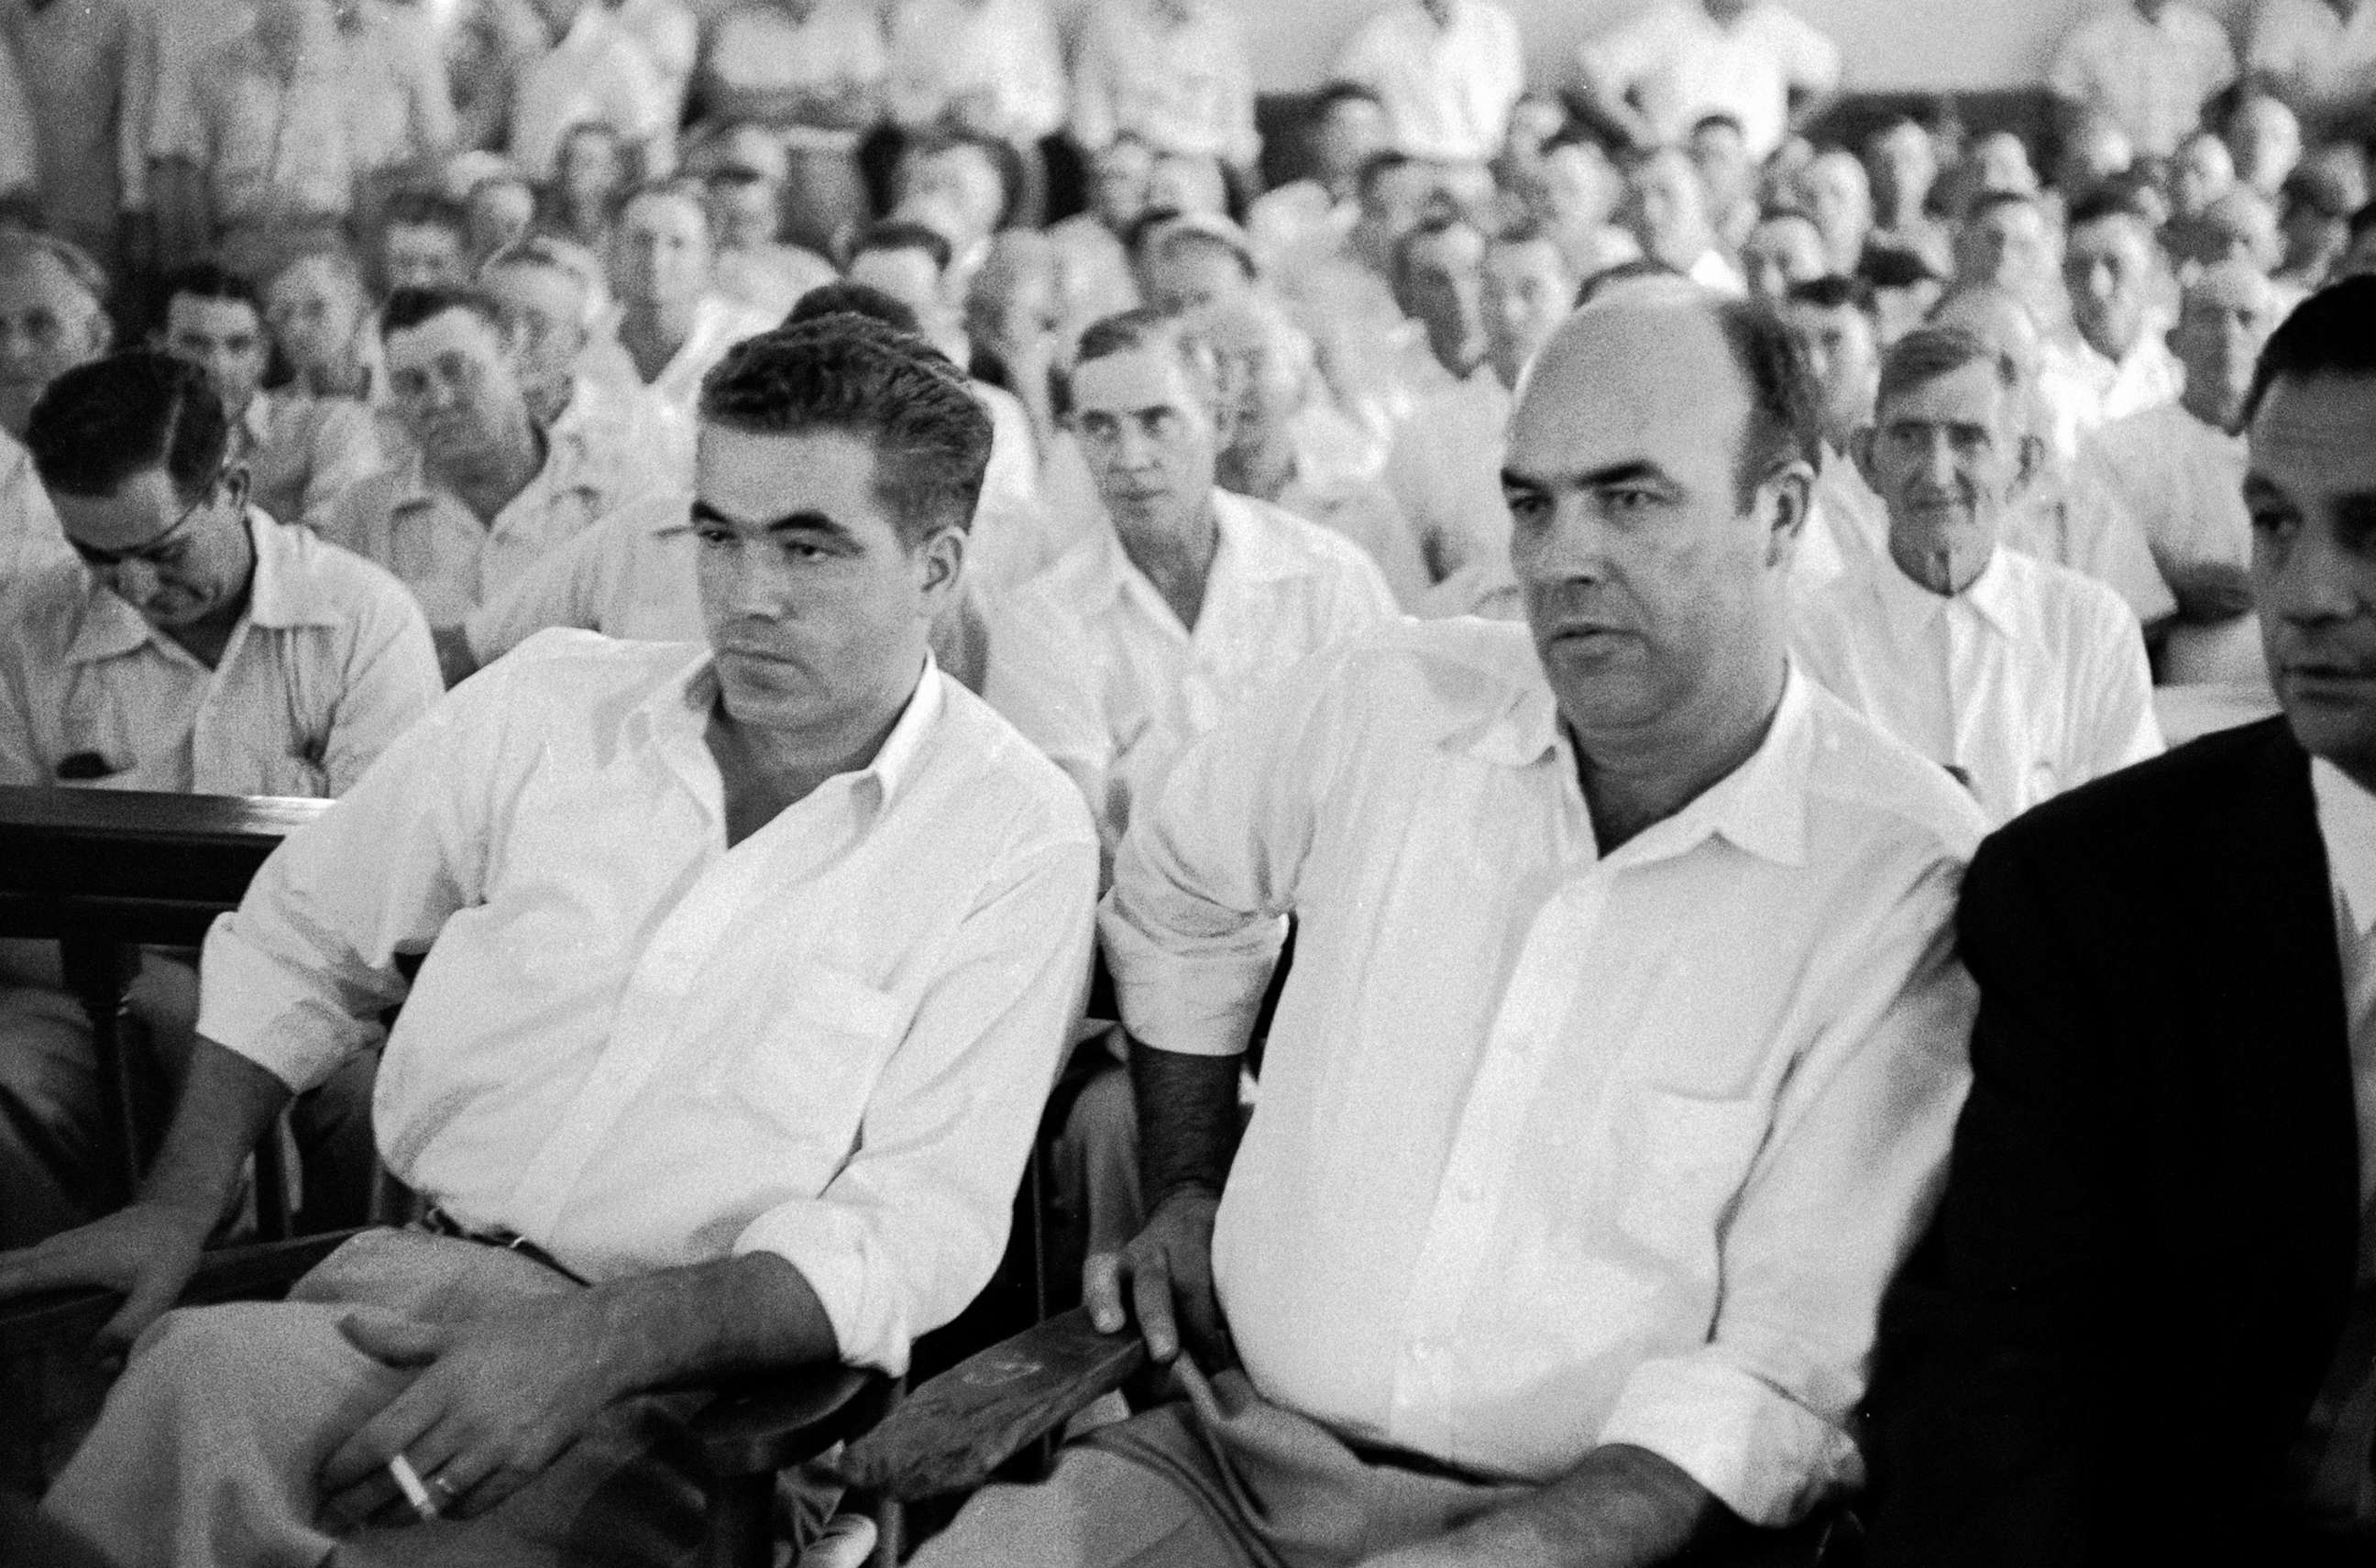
{"type": "Point", "coordinates": [1632, 473]}
{"type": "Point", "coordinates": [790, 522]}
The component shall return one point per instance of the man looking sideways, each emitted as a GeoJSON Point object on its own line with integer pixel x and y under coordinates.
{"type": "Point", "coordinates": [746, 969]}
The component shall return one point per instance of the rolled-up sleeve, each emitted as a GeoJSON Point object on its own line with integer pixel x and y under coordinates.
{"type": "Point", "coordinates": [1194, 924]}
{"type": "Point", "coordinates": [912, 1227]}
{"type": "Point", "coordinates": [1761, 1414]}
{"type": "Point", "coordinates": [296, 978]}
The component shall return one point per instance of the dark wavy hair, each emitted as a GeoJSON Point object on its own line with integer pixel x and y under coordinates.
{"type": "Point", "coordinates": [99, 423]}
{"type": "Point", "coordinates": [2331, 333]}
{"type": "Point", "coordinates": [890, 388]}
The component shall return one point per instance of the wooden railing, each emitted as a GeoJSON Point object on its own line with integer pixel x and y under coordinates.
{"type": "Point", "coordinates": [104, 870]}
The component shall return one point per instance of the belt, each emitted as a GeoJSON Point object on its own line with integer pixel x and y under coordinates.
{"type": "Point", "coordinates": [437, 1222]}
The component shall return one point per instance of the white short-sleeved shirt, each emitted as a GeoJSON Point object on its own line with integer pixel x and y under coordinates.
{"type": "Point", "coordinates": [598, 72]}
{"type": "Point", "coordinates": [1447, 90]}
{"type": "Point", "coordinates": [761, 51]}
{"type": "Point", "coordinates": [302, 452]}
{"type": "Point", "coordinates": [2321, 62]}
{"type": "Point", "coordinates": [329, 665]}
{"type": "Point", "coordinates": [270, 149]}
{"type": "Point", "coordinates": [1095, 668]}
{"type": "Point", "coordinates": [1004, 52]}
{"type": "Point", "coordinates": [642, 1049]}
{"type": "Point", "coordinates": [31, 538]}
{"type": "Point", "coordinates": [1182, 87]}
{"type": "Point", "coordinates": [440, 548]}
{"type": "Point", "coordinates": [2151, 78]}
{"type": "Point", "coordinates": [1685, 65]}
{"type": "Point", "coordinates": [1558, 1147]}
{"type": "Point", "coordinates": [2030, 681]}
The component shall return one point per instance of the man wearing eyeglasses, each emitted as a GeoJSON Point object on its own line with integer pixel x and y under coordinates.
{"type": "Point", "coordinates": [195, 646]}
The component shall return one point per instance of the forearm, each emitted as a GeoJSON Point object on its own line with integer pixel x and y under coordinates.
{"type": "Point", "coordinates": [1620, 1507]}
{"type": "Point", "coordinates": [1187, 1119]}
{"type": "Point", "coordinates": [227, 1104]}
{"type": "Point", "coordinates": [680, 1326]}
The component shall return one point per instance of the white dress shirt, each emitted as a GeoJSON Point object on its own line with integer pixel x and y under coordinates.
{"type": "Point", "coordinates": [1685, 65]}
{"type": "Point", "coordinates": [2145, 377]}
{"type": "Point", "coordinates": [1184, 87]}
{"type": "Point", "coordinates": [1447, 90]}
{"type": "Point", "coordinates": [2151, 78]}
{"type": "Point", "coordinates": [601, 72]}
{"type": "Point", "coordinates": [328, 666]}
{"type": "Point", "coordinates": [2030, 681]}
{"type": "Point", "coordinates": [1095, 668]}
{"type": "Point", "coordinates": [2346, 822]}
{"type": "Point", "coordinates": [761, 54]}
{"type": "Point", "coordinates": [2183, 482]}
{"type": "Point", "coordinates": [671, 397]}
{"type": "Point", "coordinates": [1558, 1148]}
{"type": "Point", "coordinates": [640, 1048]}
{"type": "Point", "coordinates": [440, 548]}
{"type": "Point", "coordinates": [31, 538]}
{"type": "Point", "coordinates": [1003, 54]}
{"type": "Point", "coordinates": [2321, 63]}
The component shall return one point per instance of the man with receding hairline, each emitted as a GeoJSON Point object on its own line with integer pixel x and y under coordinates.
{"type": "Point", "coordinates": [53, 317]}
{"type": "Point", "coordinates": [1617, 1057]}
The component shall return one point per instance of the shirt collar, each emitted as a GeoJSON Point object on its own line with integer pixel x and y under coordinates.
{"type": "Point", "coordinates": [1245, 551]}
{"type": "Point", "coordinates": [682, 705]}
{"type": "Point", "coordinates": [1912, 607]}
{"type": "Point", "coordinates": [1760, 806]}
{"type": "Point", "coordinates": [2346, 820]}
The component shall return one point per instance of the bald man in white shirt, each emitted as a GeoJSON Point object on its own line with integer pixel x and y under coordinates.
{"type": "Point", "coordinates": [2019, 677]}
{"type": "Point", "coordinates": [746, 969]}
{"type": "Point", "coordinates": [1618, 1056]}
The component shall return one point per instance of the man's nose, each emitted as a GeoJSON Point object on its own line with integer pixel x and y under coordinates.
{"type": "Point", "coordinates": [2314, 583]}
{"type": "Point", "coordinates": [135, 581]}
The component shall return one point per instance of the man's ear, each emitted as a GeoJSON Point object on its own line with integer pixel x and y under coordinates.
{"type": "Point", "coordinates": [1784, 499]}
{"type": "Point", "coordinates": [2032, 462]}
{"type": "Point", "coordinates": [1860, 452]}
{"type": "Point", "coordinates": [940, 559]}
{"type": "Point", "coordinates": [235, 485]}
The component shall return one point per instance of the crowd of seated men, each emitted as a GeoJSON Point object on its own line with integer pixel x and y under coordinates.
{"type": "Point", "coordinates": [1797, 717]}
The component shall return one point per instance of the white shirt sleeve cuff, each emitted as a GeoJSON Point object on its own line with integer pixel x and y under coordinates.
{"type": "Point", "coordinates": [1199, 1006]}
{"type": "Point", "coordinates": [835, 1252]}
{"type": "Point", "coordinates": [256, 1006]}
{"type": "Point", "coordinates": [1762, 1454]}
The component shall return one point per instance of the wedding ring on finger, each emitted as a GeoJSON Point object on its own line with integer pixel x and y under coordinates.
{"type": "Point", "coordinates": [408, 1482]}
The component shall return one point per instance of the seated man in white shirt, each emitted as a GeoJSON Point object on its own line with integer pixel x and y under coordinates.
{"type": "Point", "coordinates": [300, 451]}
{"type": "Point", "coordinates": [2178, 469]}
{"type": "Point", "coordinates": [1528, 288]}
{"type": "Point", "coordinates": [1617, 1061]}
{"type": "Point", "coordinates": [673, 322]}
{"type": "Point", "coordinates": [548, 300]}
{"type": "Point", "coordinates": [1668, 212]}
{"type": "Point", "coordinates": [2148, 65]}
{"type": "Point", "coordinates": [1447, 73]}
{"type": "Point", "coordinates": [2111, 265]}
{"type": "Point", "coordinates": [1682, 60]}
{"type": "Point", "coordinates": [195, 646]}
{"type": "Point", "coordinates": [746, 969]}
{"type": "Point", "coordinates": [485, 490]}
{"type": "Point", "coordinates": [53, 317]}
{"type": "Point", "coordinates": [1186, 602]}
{"type": "Point", "coordinates": [2020, 677]}
{"type": "Point", "coordinates": [1831, 320]}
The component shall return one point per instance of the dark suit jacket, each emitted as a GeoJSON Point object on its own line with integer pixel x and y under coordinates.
{"type": "Point", "coordinates": [2113, 1331]}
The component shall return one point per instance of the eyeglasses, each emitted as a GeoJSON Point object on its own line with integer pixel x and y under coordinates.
{"type": "Point", "coordinates": [160, 551]}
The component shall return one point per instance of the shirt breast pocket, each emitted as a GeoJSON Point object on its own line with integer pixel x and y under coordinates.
{"type": "Point", "coordinates": [1686, 1158]}
{"type": "Point", "coordinates": [814, 1059]}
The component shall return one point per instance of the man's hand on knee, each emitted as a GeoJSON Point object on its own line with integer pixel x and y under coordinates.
{"type": "Point", "coordinates": [1165, 1273]}
{"type": "Point", "coordinates": [148, 1252]}
{"type": "Point", "coordinates": [497, 1400]}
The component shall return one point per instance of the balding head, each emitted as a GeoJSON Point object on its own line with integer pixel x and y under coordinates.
{"type": "Point", "coordinates": [53, 317]}
{"type": "Point", "coordinates": [1657, 474]}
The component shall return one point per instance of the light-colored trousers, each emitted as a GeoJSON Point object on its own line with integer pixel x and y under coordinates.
{"type": "Point", "coordinates": [207, 1453]}
{"type": "Point", "coordinates": [1219, 1480]}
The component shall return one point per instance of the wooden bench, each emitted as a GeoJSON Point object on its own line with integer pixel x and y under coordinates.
{"type": "Point", "coordinates": [104, 870]}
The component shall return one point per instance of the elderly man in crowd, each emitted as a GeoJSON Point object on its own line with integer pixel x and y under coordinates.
{"type": "Point", "coordinates": [1681, 60]}
{"type": "Point", "coordinates": [2178, 469]}
{"type": "Point", "coordinates": [2167, 1153]}
{"type": "Point", "coordinates": [746, 969]}
{"type": "Point", "coordinates": [2020, 677]}
{"type": "Point", "coordinates": [545, 298]}
{"type": "Point", "coordinates": [485, 490]}
{"type": "Point", "coordinates": [301, 451]}
{"type": "Point", "coordinates": [1617, 1055]}
{"type": "Point", "coordinates": [53, 317]}
{"type": "Point", "coordinates": [195, 645]}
